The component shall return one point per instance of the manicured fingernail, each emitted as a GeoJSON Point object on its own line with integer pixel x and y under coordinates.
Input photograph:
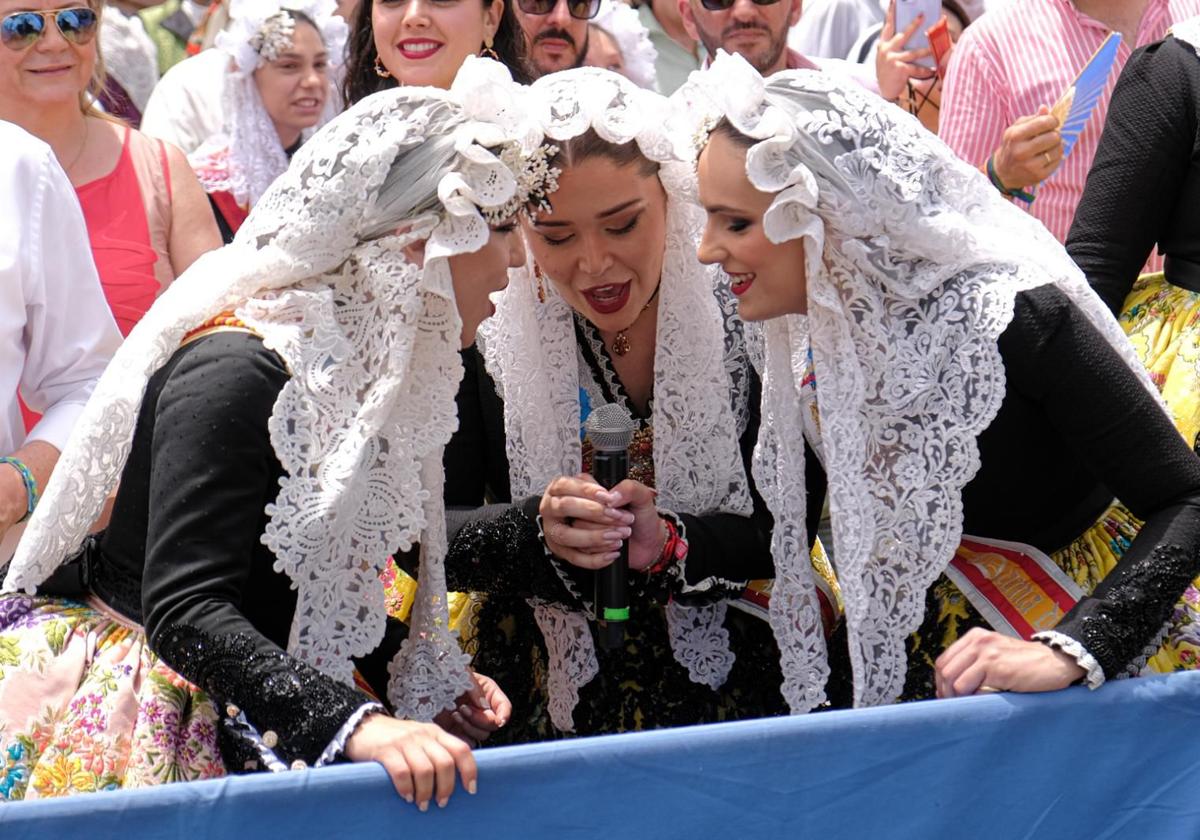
{"type": "Point", "coordinates": [423, 806]}
{"type": "Point", "coordinates": [472, 787]}
{"type": "Point", "coordinates": [442, 802]}
{"type": "Point", "coordinates": [408, 798]}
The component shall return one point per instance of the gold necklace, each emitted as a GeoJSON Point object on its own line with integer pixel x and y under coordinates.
{"type": "Point", "coordinates": [620, 343]}
{"type": "Point", "coordinates": [82, 146]}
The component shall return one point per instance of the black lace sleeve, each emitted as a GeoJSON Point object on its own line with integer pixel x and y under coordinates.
{"type": "Point", "coordinates": [1054, 354]}
{"type": "Point", "coordinates": [726, 551]}
{"type": "Point", "coordinates": [212, 471]}
{"type": "Point", "coordinates": [1136, 185]}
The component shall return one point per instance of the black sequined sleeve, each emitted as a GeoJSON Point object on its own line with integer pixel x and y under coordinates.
{"type": "Point", "coordinates": [1053, 354]}
{"type": "Point", "coordinates": [212, 471]}
{"type": "Point", "coordinates": [1136, 186]}
{"type": "Point", "coordinates": [497, 549]}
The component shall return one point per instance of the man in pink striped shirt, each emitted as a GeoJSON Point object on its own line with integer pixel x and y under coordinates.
{"type": "Point", "coordinates": [1017, 60]}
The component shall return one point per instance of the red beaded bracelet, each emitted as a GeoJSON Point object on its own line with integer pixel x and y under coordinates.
{"type": "Point", "coordinates": [675, 548]}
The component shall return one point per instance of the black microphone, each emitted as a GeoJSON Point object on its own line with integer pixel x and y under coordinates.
{"type": "Point", "coordinates": [609, 430]}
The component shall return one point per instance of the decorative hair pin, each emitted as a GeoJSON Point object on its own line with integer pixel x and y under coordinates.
{"type": "Point", "coordinates": [700, 138]}
{"type": "Point", "coordinates": [536, 179]}
{"type": "Point", "coordinates": [275, 36]}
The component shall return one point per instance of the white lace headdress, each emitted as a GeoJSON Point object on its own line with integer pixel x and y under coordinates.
{"type": "Point", "coordinates": [621, 21]}
{"type": "Point", "coordinates": [530, 349]}
{"type": "Point", "coordinates": [913, 263]}
{"type": "Point", "coordinates": [247, 155]}
{"type": "Point", "coordinates": [372, 342]}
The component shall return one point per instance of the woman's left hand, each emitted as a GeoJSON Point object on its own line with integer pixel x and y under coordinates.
{"type": "Point", "coordinates": [986, 659]}
{"type": "Point", "coordinates": [480, 711]}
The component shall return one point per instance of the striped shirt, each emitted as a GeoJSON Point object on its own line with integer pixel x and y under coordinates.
{"type": "Point", "coordinates": [1024, 55]}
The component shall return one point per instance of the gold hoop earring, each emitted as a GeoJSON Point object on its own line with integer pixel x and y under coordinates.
{"type": "Point", "coordinates": [380, 70]}
{"type": "Point", "coordinates": [487, 51]}
{"type": "Point", "coordinates": [541, 288]}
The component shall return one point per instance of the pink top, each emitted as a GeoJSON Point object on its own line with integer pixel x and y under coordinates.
{"type": "Point", "coordinates": [128, 233]}
{"type": "Point", "coordinates": [1023, 55]}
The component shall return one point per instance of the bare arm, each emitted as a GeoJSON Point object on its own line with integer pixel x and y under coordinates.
{"type": "Point", "coordinates": [193, 227]}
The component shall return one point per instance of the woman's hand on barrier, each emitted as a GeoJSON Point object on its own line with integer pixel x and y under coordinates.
{"type": "Point", "coordinates": [421, 758]}
{"type": "Point", "coordinates": [984, 659]}
{"type": "Point", "coordinates": [582, 523]}
{"type": "Point", "coordinates": [479, 712]}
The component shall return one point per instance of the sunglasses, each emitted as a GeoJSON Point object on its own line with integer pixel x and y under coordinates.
{"type": "Point", "coordinates": [578, 9]}
{"type": "Point", "coordinates": [21, 30]}
{"type": "Point", "coordinates": [723, 5]}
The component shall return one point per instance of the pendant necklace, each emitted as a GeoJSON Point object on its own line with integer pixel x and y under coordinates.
{"type": "Point", "coordinates": [620, 344]}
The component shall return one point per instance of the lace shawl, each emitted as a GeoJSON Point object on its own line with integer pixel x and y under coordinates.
{"type": "Point", "coordinates": [372, 342]}
{"type": "Point", "coordinates": [913, 264]}
{"type": "Point", "coordinates": [530, 349]}
{"type": "Point", "coordinates": [247, 155]}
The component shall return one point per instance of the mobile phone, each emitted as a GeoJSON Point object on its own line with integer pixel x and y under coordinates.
{"type": "Point", "coordinates": [906, 13]}
{"type": "Point", "coordinates": [939, 40]}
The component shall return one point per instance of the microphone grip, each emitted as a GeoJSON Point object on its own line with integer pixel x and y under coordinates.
{"type": "Point", "coordinates": [612, 582]}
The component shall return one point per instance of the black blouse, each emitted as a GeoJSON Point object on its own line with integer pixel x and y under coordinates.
{"type": "Point", "coordinates": [183, 552]}
{"type": "Point", "coordinates": [1144, 184]}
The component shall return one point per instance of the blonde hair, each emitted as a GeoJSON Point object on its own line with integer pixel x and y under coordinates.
{"type": "Point", "coordinates": [90, 96]}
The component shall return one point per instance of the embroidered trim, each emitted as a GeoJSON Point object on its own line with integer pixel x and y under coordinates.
{"type": "Point", "coordinates": [1074, 648]}
{"type": "Point", "coordinates": [338, 745]}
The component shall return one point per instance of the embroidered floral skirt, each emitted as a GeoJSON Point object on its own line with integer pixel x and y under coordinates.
{"type": "Point", "coordinates": [1163, 323]}
{"type": "Point", "coordinates": [1091, 556]}
{"type": "Point", "coordinates": [85, 705]}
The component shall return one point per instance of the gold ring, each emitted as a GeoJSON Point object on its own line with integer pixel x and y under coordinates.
{"type": "Point", "coordinates": [1049, 162]}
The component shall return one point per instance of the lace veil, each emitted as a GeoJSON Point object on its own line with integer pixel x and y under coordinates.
{"type": "Point", "coordinates": [621, 21]}
{"type": "Point", "coordinates": [247, 156]}
{"type": "Point", "coordinates": [530, 348]}
{"type": "Point", "coordinates": [372, 342]}
{"type": "Point", "coordinates": [913, 263]}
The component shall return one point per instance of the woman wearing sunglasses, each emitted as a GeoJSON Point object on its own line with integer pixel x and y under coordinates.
{"type": "Point", "coordinates": [146, 214]}
{"type": "Point", "coordinates": [277, 87]}
{"type": "Point", "coordinates": [974, 404]}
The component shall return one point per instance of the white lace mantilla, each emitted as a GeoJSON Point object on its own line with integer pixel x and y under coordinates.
{"type": "Point", "coordinates": [129, 55]}
{"type": "Point", "coordinates": [372, 342]}
{"type": "Point", "coordinates": [912, 268]}
{"type": "Point", "coordinates": [530, 348]}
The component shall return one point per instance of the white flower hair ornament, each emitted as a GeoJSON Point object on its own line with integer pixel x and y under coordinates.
{"type": "Point", "coordinates": [260, 30]}
{"type": "Point", "coordinates": [731, 89]}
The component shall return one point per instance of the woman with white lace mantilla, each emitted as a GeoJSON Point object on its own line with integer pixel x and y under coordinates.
{"type": "Point", "coordinates": [277, 423]}
{"type": "Point", "coordinates": [974, 405]}
{"type": "Point", "coordinates": [278, 88]}
{"type": "Point", "coordinates": [613, 307]}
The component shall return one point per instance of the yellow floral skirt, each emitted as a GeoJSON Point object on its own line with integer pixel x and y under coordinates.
{"type": "Point", "coordinates": [1163, 324]}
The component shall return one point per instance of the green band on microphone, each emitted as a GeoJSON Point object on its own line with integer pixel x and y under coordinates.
{"type": "Point", "coordinates": [616, 613]}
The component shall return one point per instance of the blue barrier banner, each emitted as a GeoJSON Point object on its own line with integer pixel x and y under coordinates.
{"type": "Point", "coordinates": [1113, 763]}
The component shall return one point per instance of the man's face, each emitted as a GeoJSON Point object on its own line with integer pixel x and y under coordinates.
{"type": "Point", "coordinates": [554, 41]}
{"type": "Point", "coordinates": [757, 33]}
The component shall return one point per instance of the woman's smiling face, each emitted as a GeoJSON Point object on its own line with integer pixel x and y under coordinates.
{"type": "Point", "coordinates": [767, 278]}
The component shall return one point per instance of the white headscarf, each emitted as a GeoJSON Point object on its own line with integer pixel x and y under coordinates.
{"type": "Point", "coordinates": [632, 39]}
{"type": "Point", "coordinates": [247, 156]}
{"type": "Point", "coordinates": [372, 342]}
{"type": "Point", "coordinates": [913, 263]}
{"type": "Point", "coordinates": [530, 349]}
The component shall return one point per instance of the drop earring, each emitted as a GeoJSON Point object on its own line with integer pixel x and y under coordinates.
{"type": "Point", "coordinates": [541, 288]}
{"type": "Point", "coordinates": [487, 51]}
{"type": "Point", "coordinates": [380, 70]}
